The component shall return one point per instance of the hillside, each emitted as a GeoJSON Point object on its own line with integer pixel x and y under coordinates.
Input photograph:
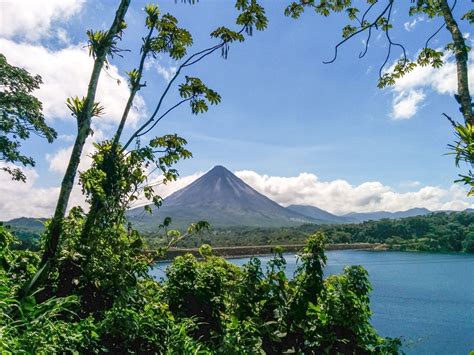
{"type": "Point", "coordinates": [317, 213]}
{"type": "Point", "coordinates": [437, 232]}
{"type": "Point", "coordinates": [375, 216]}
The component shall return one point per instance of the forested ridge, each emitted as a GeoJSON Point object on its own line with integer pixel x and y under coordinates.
{"type": "Point", "coordinates": [436, 232]}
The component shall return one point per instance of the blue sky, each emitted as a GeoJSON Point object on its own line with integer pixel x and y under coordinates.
{"type": "Point", "coordinates": [283, 111]}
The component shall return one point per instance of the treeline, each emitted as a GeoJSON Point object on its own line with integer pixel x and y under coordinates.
{"type": "Point", "coordinates": [439, 232]}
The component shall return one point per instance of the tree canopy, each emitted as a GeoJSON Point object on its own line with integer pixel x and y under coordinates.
{"type": "Point", "coordinates": [20, 116]}
{"type": "Point", "coordinates": [367, 17]}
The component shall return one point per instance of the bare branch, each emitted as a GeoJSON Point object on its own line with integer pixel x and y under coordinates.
{"type": "Point", "coordinates": [364, 52]}
{"type": "Point", "coordinates": [196, 57]}
{"type": "Point", "coordinates": [362, 29]}
{"type": "Point", "coordinates": [163, 115]}
{"type": "Point", "coordinates": [391, 44]}
{"type": "Point", "coordinates": [367, 11]}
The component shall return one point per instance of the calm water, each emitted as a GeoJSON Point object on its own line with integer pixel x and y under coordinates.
{"type": "Point", "coordinates": [427, 299]}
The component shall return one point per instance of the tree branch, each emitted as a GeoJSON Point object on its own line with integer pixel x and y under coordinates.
{"type": "Point", "coordinates": [191, 60]}
{"type": "Point", "coordinates": [163, 115]}
{"type": "Point", "coordinates": [135, 88]}
{"type": "Point", "coordinates": [373, 24]}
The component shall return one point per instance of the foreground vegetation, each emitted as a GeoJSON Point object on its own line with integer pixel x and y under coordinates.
{"type": "Point", "coordinates": [204, 307]}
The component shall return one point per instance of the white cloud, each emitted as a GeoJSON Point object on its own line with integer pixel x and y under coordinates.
{"type": "Point", "coordinates": [410, 26]}
{"type": "Point", "coordinates": [59, 160]}
{"type": "Point", "coordinates": [67, 137]}
{"type": "Point", "coordinates": [409, 91]}
{"type": "Point", "coordinates": [27, 199]}
{"type": "Point", "coordinates": [164, 190]}
{"type": "Point", "coordinates": [167, 72]}
{"type": "Point", "coordinates": [66, 74]}
{"type": "Point", "coordinates": [406, 104]}
{"type": "Point", "coordinates": [340, 197]}
{"type": "Point", "coordinates": [336, 196]}
{"type": "Point", "coordinates": [442, 80]}
{"type": "Point", "coordinates": [32, 19]}
{"type": "Point", "coordinates": [63, 36]}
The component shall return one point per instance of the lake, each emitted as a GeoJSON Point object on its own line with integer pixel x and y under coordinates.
{"type": "Point", "coordinates": [427, 299]}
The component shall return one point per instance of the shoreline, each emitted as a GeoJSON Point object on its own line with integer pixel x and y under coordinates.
{"type": "Point", "coordinates": [257, 250]}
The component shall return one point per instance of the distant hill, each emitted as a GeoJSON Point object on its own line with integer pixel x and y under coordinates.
{"type": "Point", "coordinates": [222, 199]}
{"type": "Point", "coordinates": [319, 214]}
{"type": "Point", "coordinates": [27, 224]}
{"type": "Point", "coordinates": [27, 230]}
{"type": "Point", "coordinates": [375, 216]}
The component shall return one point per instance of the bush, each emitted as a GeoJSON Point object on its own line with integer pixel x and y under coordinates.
{"type": "Point", "coordinates": [207, 306]}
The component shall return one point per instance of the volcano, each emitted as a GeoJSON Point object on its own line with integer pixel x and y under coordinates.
{"type": "Point", "coordinates": [222, 199]}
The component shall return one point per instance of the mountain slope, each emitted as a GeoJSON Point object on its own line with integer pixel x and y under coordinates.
{"type": "Point", "coordinates": [375, 216]}
{"type": "Point", "coordinates": [319, 214]}
{"type": "Point", "coordinates": [27, 224]}
{"type": "Point", "coordinates": [222, 199]}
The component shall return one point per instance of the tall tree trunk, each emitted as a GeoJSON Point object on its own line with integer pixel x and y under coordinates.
{"type": "Point", "coordinates": [135, 88]}
{"type": "Point", "coordinates": [461, 53]}
{"type": "Point", "coordinates": [96, 205]}
{"type": "Point", "coordinates": [84, 124]}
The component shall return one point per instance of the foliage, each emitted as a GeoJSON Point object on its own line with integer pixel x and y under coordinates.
{"type": "Point", "coordinates": [463, 149]}
{"type": "Point", "coordinates": [20, 115]}
{"type": "Point", "coordinates": [205, 306]}
{"type": "Point", "coordinates": [264, 312]}
{"type": "Point", "coordinates": [438, 232]}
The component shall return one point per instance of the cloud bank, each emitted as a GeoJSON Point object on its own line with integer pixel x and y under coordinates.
{"type": "Point", "coordinates": [340, 197]}
{"type": "Point", "coordinates": [336, 196]}
{"type": "Point", "coordinates": [32, 19]}
{"type": "Point", "coordinates": [27, 199]}
{"type": "Point", "coordinates": [66, 73]}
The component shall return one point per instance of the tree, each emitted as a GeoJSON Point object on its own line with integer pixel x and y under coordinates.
{"type": "Point", "coordinates": [20, 115]}
{"type": "Point", "coordinates": [121, 172]}
{"type": "Point", "coordinates": [101, 45]}
{"type": "Point", "coordinates": [379, 16]}
{"type": "Point", "coordinates": [468, 243]}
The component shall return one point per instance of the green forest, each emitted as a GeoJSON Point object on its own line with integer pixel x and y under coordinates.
{"type": "Point", "coordinates": [204, 307]}
{"type": "Point", "coordinates": [207, 304]}
{"type": "Point", "coordinates": [436, 232]}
